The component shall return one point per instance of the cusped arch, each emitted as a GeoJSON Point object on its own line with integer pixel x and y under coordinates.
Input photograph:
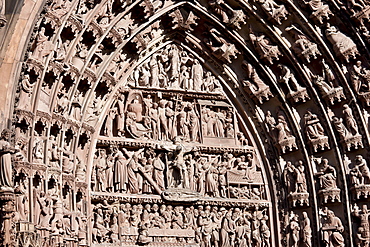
{"type": "Point", "coordinates": [298, 96]}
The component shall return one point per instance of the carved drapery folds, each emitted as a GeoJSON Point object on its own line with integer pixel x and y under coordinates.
{"type": "Point", "coordinates": [254, 85]}
{"type": "Point", "coordinates": [280, 132]}
{"type": "Point", "coordinates": [295, 182]}
{"type": "Point", "coordinates": [188, 123]}
{"type": "Point", "coordinates": [326, 177]}
{"type": "Point", "coordinates": [295, 91]}
{"type": "Point", "coordinates": [315, 132]}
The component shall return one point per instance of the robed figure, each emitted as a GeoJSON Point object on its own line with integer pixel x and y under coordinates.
{"type": "Point", "coordinates": [6, 151]}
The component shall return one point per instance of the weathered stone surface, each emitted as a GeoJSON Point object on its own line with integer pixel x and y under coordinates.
{"type": "Point", "coordinates": [184, 123]}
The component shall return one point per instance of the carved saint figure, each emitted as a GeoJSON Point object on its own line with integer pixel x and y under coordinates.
{"type": "Point", "coordinates": [276, 11]}
{"type": "Point", "coordinates": [6, 151]}
{"type": "Point", "coordinates": [332, 228]}
{"type": "Point", "coordinates": [343, 46]}
{"type": "Point", "coordinates": [228, 228]}
{"type": "Point", "coordinates": [43, 45]}
{"type": "Point", "coordinates": [283, 131]}
{"type": "Point", "coordinates": [302, 44]}
{"type": "Point", "coordinates": [306, 230]}
{"type": "Point", "coordinates": [327, 175]}
{"type": "Point", "coordinates": [136, 107]}
{"type": "Point", "coordinates": [25, 93]}
{"type": "Point", "coordinates": [363, 216]}
{"type": "Point", "coordinates": [294, 228]}
{"type": "Point", "coordinates": [289, 79]}
{"type": "Point", "coordinates": [313, 126]}
{"type": "Point", "coordinates": [21, 200]}
{"type": "Point", "coordinates": [194, 125]}
{"type": "Point", "coordinates": [197, 75]}
{"type": "Point", "coordinates": [350, 120]}
{"type": "Point", "coordinates": [108, 130]}
{"type": "Point", "coordinates": [120, 178]}
{"type": "Point", "coordinates": [264, 47]}
{"type": "Point", "coordinates": [341, 128]}
{"type": "Point", "coordinates": [256, 83]}
{"type": "Point", "coordinates": [361, 164]}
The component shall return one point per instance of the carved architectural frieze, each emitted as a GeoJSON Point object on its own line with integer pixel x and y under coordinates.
{"type": "Point", "coordinates": [185, 123]}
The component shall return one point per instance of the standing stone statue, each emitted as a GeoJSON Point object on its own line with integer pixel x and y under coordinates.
{"type": "Point", "coordinates": [25, 93]}
{"type": "Point", "coordinates": [43, 46]}
{"type": "Point", "coordinates": [350, 120]}
{"type": "Point", "coordinates": [6, 151]}
{"type": "Point", "coordinates": [197, 75]}
{"type": "Point", "coordinates": [120, 171]}
{"type": "Point", "coordinates": [306, 230]}
{"type": "Point", "coordinates": [121, 115]}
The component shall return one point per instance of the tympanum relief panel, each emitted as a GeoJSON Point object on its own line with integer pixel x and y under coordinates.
{"type": "Point", "coordinates": [190, 123]}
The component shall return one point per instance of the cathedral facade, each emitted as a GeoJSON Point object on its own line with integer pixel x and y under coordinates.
{"type": "Point", "coordinates": [199, 123]}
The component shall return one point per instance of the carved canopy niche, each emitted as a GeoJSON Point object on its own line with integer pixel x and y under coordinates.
{"type": "Point", "coordinates": [193, 123]}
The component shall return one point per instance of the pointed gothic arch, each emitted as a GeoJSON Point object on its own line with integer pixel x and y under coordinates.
{"type": "Point", "coordinates": [288, 87]}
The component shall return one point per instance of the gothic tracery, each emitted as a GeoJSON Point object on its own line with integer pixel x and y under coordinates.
{"type": "Point", "coordinates": [190, 123]}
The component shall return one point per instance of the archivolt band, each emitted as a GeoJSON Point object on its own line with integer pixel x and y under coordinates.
{"type": "Point", "coordinates": [225, 123]}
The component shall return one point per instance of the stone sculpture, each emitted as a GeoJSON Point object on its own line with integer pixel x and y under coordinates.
{"type": "Point", "coordinates": [303, 46]}
{"type": "Point", "coordinates": [320, 11]}
{"type": "Point", "coordinates": [264, 48]}
{"type": "Point", "coordinates": [220, 47]}
{"type": "Point", "coordinates": [137, 128]}
{"type": "Point", "coordinates": [222, 9]}
{"type": "Point", "coordinates": [327, 180]}
{"type": "Point", "coordinates": [274, 11]}
{"type": "Point", "coordinates": [348, 133]}
{"type": "Point", "coordinates": [332, 229]}
{"type": "Point", "coordinates": [280, 132]}
{"type": "Point", "coordinates": [327, 85]}
{"type": "Point", "coordinates": [295, 91]}
{"type": "Point", "coordinates": [6, 171]}
{"type": "Point", "coordinates": [343, 46]}
{"type": "Point", "coordinates": [306, 230]}
{"type": "Point", "coordinates": [295, 181]}
{"type": "Point", "coordinates": [255, 85]}
{"type": "Point", "coordinates": [43, 46]}
{"type": "Point", "coordinates": [315, 132]}
{"type": "Point", "coordinates": [25, 93]}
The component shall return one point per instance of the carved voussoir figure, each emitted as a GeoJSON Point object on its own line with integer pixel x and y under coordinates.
{"type": "Point", "coordinates": [303, 46]}
{"type": "Point", "coordinates": [327, 179]}
{"type": "Point", "coordinates": [43, 46]}
{"type": "Point", "coordinates": [359, 174]}
{"type": "Point", "coordinates": [348, 133]}
{"type": "Point", "coordinates": [221, 48]}
{"type": "Point", "coordinates": [25, 93]}
{"type": "Point", "coordinates": [343, 46]}
{"type": "Point", "coordinates": [295, 181]}
{"type": "Point", "coordinates": [332, 229]}
{"type": "Point", "coordinates": [280, 133]}
{"type": "Point", "coordinates": [320, 11]}
{"type": "Point", "coordinates": [295, 91]}
{"type": "Point", "coordinates": [255, 86]}
{"type": "Point", "coordinates": [228, 15]}
{"type": "Point", "coordinates": [264, 48]}
{"type": "Point", "coordinates": [315, 132]}
{"type": "Point", "coordinates": [327, 85]}
{"type": "Point", "coordinates": [360, 77]}
{"type": "Point", "coordinates": [182, 23]}
{"type": "Point", "coordinates": [275, 11]}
